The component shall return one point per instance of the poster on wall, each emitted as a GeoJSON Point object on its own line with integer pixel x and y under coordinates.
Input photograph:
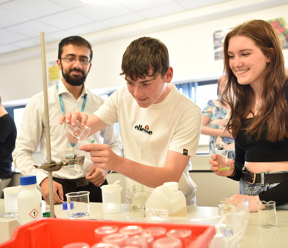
{"type": "Point", "coordinates": [281, 27]}
{"type": "Point", "coordinates": [218, 38]}
{"type": "Point", "coordinates": [279, 24]}
{"type": "Point", "coordinates": [53, 73]}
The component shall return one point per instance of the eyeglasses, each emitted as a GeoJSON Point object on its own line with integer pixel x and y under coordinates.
{"type": "Point", "coordinates": [70, 60]}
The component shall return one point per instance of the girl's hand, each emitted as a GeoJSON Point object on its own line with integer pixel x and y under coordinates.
{"type": "Point", "coordinates": [218, 161]}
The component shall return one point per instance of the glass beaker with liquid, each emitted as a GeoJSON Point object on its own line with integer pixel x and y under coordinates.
{"type": "Point", "coordinates": [225, 153]}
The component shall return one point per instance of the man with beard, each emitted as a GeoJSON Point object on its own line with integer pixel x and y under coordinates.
{"type": "Point", "coordinates": [69, 95]}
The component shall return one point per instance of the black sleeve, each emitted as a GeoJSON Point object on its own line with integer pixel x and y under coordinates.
{"type": "Point", "coordinates": [239, 154]}
{"type": "Point", "coordinates": [237, 171]}
{"type": "Point", "coordinates": [238, 163]}
{"type": "Point", "coordinates": [279, 193]}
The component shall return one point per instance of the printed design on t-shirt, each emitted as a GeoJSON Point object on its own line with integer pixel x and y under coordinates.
{"type": "Point", "coordinates": [185, 151]}
{"type": "Point", "coordinates": [143, 129]}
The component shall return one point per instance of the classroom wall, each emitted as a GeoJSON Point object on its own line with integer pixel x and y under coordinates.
{"type": "Point", "coordinates": [188, 36]}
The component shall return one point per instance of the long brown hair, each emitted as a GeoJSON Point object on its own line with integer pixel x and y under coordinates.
{"type": "Point", "coordinates": [273, 118]}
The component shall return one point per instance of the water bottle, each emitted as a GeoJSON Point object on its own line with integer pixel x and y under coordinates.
{"type": "Point", "coordinates": [29, 200]}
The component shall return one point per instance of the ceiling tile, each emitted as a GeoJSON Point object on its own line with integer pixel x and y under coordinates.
{"type": "Point", "coordinates": [122, 20]}
{"type": "Point", "coordinates": [58, 36]}
{"type": "Point", "coordinates": [68, 4]}
{"type": "Point", "coordinates": [8, 19]}
{"type": "Point", "coordinates": [86, 29]}
{"type": "Point", "coordinates": [28, 42]}
{"type": "Point", "coordinates": [141, 5]}
{"type": "Point", "coordinates": [192, 4]}
{"type": "Point", "coordinates": [63, 20]}
{"type": "Point", "coordinates": [32, 28]}
{"type": "Point", "coordinates": [102, 11]}
{"type": "Point", "coordinates": [31, 8]}
{"type": "Point", "coordinates": [7, 48]}
{"type": "Point", "coordinates": [161, 11]}
{"type": "Point", "coordinates": [9, 37]}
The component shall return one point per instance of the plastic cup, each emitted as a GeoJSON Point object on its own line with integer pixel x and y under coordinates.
{"type": "Point", "coordinates": [102, 231]}
{"type": "Point", "coordinates": [79, 132]}
{"type": "Point", "coordinates": [10, 199]}
{"type": "Point", "coordinates": [156, 232]}
{"type": "Point", "coordinates": [111, 198]}
{"type": "Point", "coordinates": [116, 238]}
{"type": "Point", "coordinates": [136, 242]}
{"type": "Point", "coordinates": [131, 230]}
{"type": "Point", "coordinates": [226, 154]}
{"type": "Point", "coordinates": [267, 214]}
{"type": "Point", "coordinates": [81, 207]}
{"type": "Point", "coordinates": [167, 242]}
{"type": "Point", "coordinates": [227, 205]}
{"type": "Point", "coordinates": [185, 235]}
{"type": "Point", "coordinates": [105, 245]}
{"type": "Point", "coordinates": [77, 245]}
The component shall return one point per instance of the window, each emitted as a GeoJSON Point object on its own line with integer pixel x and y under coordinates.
{"type": "Point", "coordinates": [200, 93]}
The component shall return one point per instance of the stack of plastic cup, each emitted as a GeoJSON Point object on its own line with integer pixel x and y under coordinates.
{"type": "Point", "coordinates": [131, 230]}
{"type": "Point", "coordinates": [77, 245]}
{"type": "Point", "coordinates": [167, 242]}
{"type": "Point", "coordinates": [185, 235]}
{"type": "Point", "coordinates": [102, 231]}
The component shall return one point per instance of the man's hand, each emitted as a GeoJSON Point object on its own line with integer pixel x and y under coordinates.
{"type": "Point", "coordinates": [57, 191]}
{"type": "Point", "coordinates": [70, 118]}
{"type": "Point", "coordinates": [96, 176]}
{"type": "Point", "coordinates": [102, 156]}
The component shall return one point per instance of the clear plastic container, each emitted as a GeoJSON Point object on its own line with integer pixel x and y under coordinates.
{"type": "Point", "coordinates": [155, 231]}
{"type": "Point", "coordinates": [131, 230]}
{"type": "Point", "coordinates": [116, 238]}
{"type": "Point", "coordinates": [111, 198]}
{"type": "Point", "coordinates": [102, 231]}
{"type": "Point", "coordinates": [167, 243]}
{"type": "Point", "coordinates": [185, 235]}
{"type": "Point", "coordinates": [10, 199]}
{"type": "Point", "coordinates": [77, 245]}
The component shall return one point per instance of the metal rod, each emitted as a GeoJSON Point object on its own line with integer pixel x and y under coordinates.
{"type": "Point", "coordinates": [48, 143]}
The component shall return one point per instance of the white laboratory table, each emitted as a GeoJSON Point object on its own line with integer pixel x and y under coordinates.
{"type": "Point", "coordinates": [255, 236]}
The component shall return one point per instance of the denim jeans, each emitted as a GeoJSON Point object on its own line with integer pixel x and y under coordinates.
{"type": "Point", "coordinates": [255, 189]}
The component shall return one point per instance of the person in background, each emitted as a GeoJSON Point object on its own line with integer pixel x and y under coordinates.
{"type": "Point", "coordinates": [70, 94]}
{"type": "Point", "coordinates": [159, 126]}
{"type": "Point", "coordinates": [257, 93]}
{"type": "Point", "coordinates": [8, 135]}
{"type": "Point", "coordinates": [214, 119]}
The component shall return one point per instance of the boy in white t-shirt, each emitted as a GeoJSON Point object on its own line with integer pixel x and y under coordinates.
{"type": "Point", "coordinates": [159, 126]}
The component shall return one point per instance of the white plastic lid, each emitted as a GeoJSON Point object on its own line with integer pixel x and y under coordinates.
{"type": "Point", "coordinates": [172, 185]}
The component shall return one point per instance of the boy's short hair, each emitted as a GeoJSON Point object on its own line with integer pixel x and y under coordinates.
{"type": "Point", "coordinates": [142, 56]}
